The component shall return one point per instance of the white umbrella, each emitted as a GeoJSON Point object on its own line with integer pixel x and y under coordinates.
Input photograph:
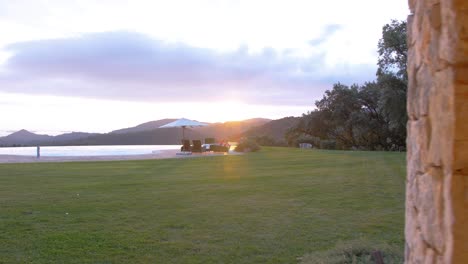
{"type": "Point", "coordinates": [183, 123]}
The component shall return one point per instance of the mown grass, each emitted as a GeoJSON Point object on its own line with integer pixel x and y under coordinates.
{"type": "Point", "coordinates": [274, 206]}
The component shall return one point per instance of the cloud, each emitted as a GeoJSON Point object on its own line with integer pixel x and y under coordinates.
{"type": "Point", "coordinates": [328, 31]}
{"type": "Point", "coordinates": [131, 66]}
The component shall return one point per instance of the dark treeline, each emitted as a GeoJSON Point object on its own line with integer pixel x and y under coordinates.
{"type": "Point", "coordinates": [370, 116]}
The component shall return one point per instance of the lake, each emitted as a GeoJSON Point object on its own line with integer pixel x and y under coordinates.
{"type": "Point", "coordinates": [73, 151]}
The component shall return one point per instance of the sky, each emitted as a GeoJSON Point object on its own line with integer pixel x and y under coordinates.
{"type": "Point", "coordinates": [97, 66]}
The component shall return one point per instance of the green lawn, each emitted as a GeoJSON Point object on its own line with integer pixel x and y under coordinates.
{"type": "Point", "coordinates": [273, 206]}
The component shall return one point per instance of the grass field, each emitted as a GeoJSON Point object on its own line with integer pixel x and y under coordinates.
{"type": "Point", "coordinates": [273, 206]}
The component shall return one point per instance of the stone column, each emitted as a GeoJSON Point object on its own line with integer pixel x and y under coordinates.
{"type": "Point", "coordinates": [437, 174]}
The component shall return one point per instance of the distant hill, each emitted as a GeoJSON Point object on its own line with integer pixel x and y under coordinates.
{"type": "Point", "coordinates": [160, 136]}
{"type": "Point", "coordinates": [169, 136]}
{"type": "Point", "coordinates": [230, 130]}
{"type": "Point", "coordinates": [144, 127]}
{"type": "Point", "coordinates": [23, 137]}
{"type": "Point", "coordinates": [72, 136]}
{"type": "Point", "coordinates": [251, 122]}
{"type": "Point", "coordinates": [275, 129]}
{"type": "Point", "coordinates": [26, 138]}
{"type": "Point", "coordinates": [144, 134]}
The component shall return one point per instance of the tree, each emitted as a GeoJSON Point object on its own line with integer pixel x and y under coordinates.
{"type": "Point", "coordinates": [370, 116]}
{"type": "Point", "coordinates": [338, 107]}
{"type": "Point", "coordinates": [392, 78]}
{"type": "Point", "coordinates": [393, 50]}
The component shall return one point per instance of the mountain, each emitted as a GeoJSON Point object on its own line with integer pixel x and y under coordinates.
{"type": "Point", "coordinates": [160, 136]}
{"type": "Point", "coordinates": [251, 122]}
{"type": "Point", "coordinates": [230, 130]}
{"type": "Point", "coordinates": [147, 133]}
{"type": "Point", "coordinates": [220, 129]}
{"type": "Point", "coordinates": [72, 136]}
{"type": "Point", "coordinates": [24, 137]}
{"type": "Point", "coordinates": [275, 129]}
{"type": "Point", "coordinates": [144, 127]}
{"type": "Point", "coordinates": [173, 135]}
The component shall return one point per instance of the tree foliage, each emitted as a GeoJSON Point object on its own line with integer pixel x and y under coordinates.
{"type": "Point", "coordinates": [369, 116]}
{"type": "Point", "coordinates": [393, 50]}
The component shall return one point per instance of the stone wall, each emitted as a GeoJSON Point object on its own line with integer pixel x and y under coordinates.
{"type": "Point", "coordinates": [437, 174]}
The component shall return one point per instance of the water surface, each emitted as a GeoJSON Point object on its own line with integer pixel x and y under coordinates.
{"type": "Point", "coordinates": [74, 151]}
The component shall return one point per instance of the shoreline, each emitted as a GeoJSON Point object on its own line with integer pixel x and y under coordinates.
{"type": "Point", "coordinates": [162, 154]}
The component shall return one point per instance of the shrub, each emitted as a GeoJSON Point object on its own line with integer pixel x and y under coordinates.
{"type": "Point", "coordinates": [247, 145]}
{"type": "Point", "coordinates": [355, 252]}
{"type": "Point", "coordinates": [265, 141]}
{"type": "Point", "coordinates": [327, 144]}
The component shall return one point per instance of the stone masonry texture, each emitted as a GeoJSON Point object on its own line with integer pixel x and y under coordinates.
{"type": "Point", "coordinates": [436, 228]}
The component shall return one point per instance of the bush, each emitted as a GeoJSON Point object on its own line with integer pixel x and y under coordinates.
{"type": "Point", "coordinates": [264, 141]}
{"type": "Point", "coordinates": [327, 144]}
{"type": "Point", "coordinates": [354, 252]}
{"type": "Point", "coordinates": [248, 145]}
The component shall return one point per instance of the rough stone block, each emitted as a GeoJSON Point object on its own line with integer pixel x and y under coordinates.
{"type": "Point", "coordinates": [412, 5]}
{"type": "Point", "coordinates": [418, 133]}
{"type": "Point", "coordinates": [448, 39]}
{"type": "Point", "coordinates": [460, 219]}
{"type": "Point", "coordinates": [412, 105]}
{"type": "Point", "coordinates": [430, 203]}
{"type": "Point", "coordinates": [461, 74]}
{"type": "Point", "coordinates": [424, 83]}
{"type": "Point", "coordinates": [436, 227]}
{"type": "Point", "coordinates": [409, 29]}
{"type": "Point", "coordinates": [460, 4]}
{"type": "Point", "coordinates": [461, 108]}
{"type": "Point", "coordinates": [425, 38]}
{"type": "Point", "coordinates": [435, 17]}
{"type": "Point", "coordinates": [465, 179]}
{"type": "Point", "coordinates": [460, 164]}
{"type": "Point", "coordinates": [462, 22]}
